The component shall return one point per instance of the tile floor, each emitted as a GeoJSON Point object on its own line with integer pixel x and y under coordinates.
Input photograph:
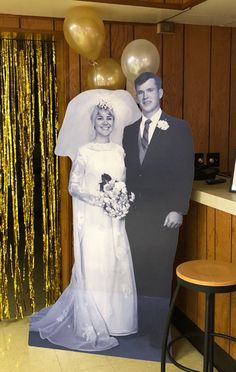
{"type": "Point", "coordinates": [17, 356]}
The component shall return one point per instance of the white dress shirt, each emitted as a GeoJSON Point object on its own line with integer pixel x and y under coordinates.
{"type": "Point", "coordinates": [155, 118]}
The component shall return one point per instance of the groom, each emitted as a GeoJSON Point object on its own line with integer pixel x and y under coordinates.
{"type": "Point", "coordinates": [160, 168]}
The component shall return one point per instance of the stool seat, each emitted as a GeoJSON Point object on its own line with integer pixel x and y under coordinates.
{"type": "Point", "coordinates": [207, 273]}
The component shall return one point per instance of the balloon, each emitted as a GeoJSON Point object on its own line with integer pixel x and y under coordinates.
{"type": "Point", "coordinates": [139, 56]}
{"type": "Point", "coordinates": [84, 31]}
{"type": "Point", "coordinates": [105, 73]}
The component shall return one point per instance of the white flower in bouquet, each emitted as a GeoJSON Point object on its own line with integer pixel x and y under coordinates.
{"type": "Point", "coordinates": [120, 186]}
{"type": "Point", "coordinates": [116, 199]}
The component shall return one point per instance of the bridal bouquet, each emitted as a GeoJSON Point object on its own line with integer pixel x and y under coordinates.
{"type": "Point", "coordinates": [116, 199]}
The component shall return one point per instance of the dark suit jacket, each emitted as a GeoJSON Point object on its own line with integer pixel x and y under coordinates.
{"type": "Point", "coordinates": [164, 180]}
{"type": "Point", "coordinates": [161, 184]}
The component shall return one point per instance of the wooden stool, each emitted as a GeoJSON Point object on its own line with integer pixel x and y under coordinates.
{"type": "Point", "coordinates": [210, 277]}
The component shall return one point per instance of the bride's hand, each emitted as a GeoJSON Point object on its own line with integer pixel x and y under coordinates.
{"type": "Point", "coordinates": [98, 200]}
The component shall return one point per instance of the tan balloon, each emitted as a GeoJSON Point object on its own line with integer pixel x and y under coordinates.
{"type": "Point", "coordinates": [139, 56]}
{"type": "Point", "coordinates": [84, 31]}
{"type": "Point", "coordinates": [106, 73]}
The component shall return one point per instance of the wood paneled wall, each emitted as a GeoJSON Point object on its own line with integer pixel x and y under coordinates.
{"type": "Point", "coordinates": [197, 68]}
{"type": "Point", "coordinates": [209, 234]}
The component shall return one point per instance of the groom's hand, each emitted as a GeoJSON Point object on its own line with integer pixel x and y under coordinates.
{"type": "Point", "coordinates": [173, 220]}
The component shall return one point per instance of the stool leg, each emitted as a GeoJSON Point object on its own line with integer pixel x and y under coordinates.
{"type": "Point", "coordinates": [208, 346]}
{"type": "Point", "coordinates": [211, 330]}
{"type": "Point", "coordinates": [166, 330]}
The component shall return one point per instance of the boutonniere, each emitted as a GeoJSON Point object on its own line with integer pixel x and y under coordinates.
{"type": "Point", "coordinates": [162, 124]}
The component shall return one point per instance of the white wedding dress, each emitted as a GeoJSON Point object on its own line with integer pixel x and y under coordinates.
{"type": "Point", "coordinates": [100, 301]}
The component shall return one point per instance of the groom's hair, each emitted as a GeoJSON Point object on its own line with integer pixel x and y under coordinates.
{"type": "Point", "coordinates": [144, 76]}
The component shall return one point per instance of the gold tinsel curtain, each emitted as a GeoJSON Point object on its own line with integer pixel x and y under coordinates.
{"type": "Point", "coordinates": [30, 267]}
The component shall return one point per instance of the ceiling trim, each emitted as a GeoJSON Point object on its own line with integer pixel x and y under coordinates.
{"type": "Point", "coordinates": [191, 3]}
{"type": "Point", "coordinates": [164, 4]}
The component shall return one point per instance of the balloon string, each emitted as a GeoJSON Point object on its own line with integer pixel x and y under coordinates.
{"type": "Point", "coordinates": [95, 64]}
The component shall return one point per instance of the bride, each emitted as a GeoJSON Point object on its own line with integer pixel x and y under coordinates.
{"type": "Point", "coordinates": [100, 301]}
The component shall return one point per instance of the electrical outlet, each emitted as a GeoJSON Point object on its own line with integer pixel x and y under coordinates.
{"type": "Point", "coordinates": [199, 159]}
{"type": "Point", "coordinates": [213, 159]}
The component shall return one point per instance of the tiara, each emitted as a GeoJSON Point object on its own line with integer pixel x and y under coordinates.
{"type": "Point", "coordinates": [104, 104]}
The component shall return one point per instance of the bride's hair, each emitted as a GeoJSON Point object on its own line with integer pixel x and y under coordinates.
{"type": "Point", "coordinates": [101, 106]}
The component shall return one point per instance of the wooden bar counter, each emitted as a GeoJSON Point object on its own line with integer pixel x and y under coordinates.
{"type": "Point", "coordinates": [216, 196]}
{"type": "Point", "coordinates": [209, 232]}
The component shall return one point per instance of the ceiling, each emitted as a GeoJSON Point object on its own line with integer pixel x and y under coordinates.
{"type": "Point", "coordinates": [210, 12]}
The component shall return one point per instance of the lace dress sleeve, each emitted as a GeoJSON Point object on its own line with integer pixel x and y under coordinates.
{"type": "Point", "coordinates": [76, 181]}
{"type": "Point", "coordinates": [122, 153]}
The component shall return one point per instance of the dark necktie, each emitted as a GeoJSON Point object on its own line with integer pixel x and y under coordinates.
{"type": "Point", "coordinates": [144, 139]}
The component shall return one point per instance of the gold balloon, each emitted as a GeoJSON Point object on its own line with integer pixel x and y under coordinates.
{"type": "Point", "coordinates": [139, 56]}
{"type": "Point", "coordinates": [106, 74]}
{"type": "Point", "coordinates": [84, 31]}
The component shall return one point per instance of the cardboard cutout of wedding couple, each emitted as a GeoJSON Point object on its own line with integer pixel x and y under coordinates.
{"type": "Point", "coordinates": [121, 277]}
